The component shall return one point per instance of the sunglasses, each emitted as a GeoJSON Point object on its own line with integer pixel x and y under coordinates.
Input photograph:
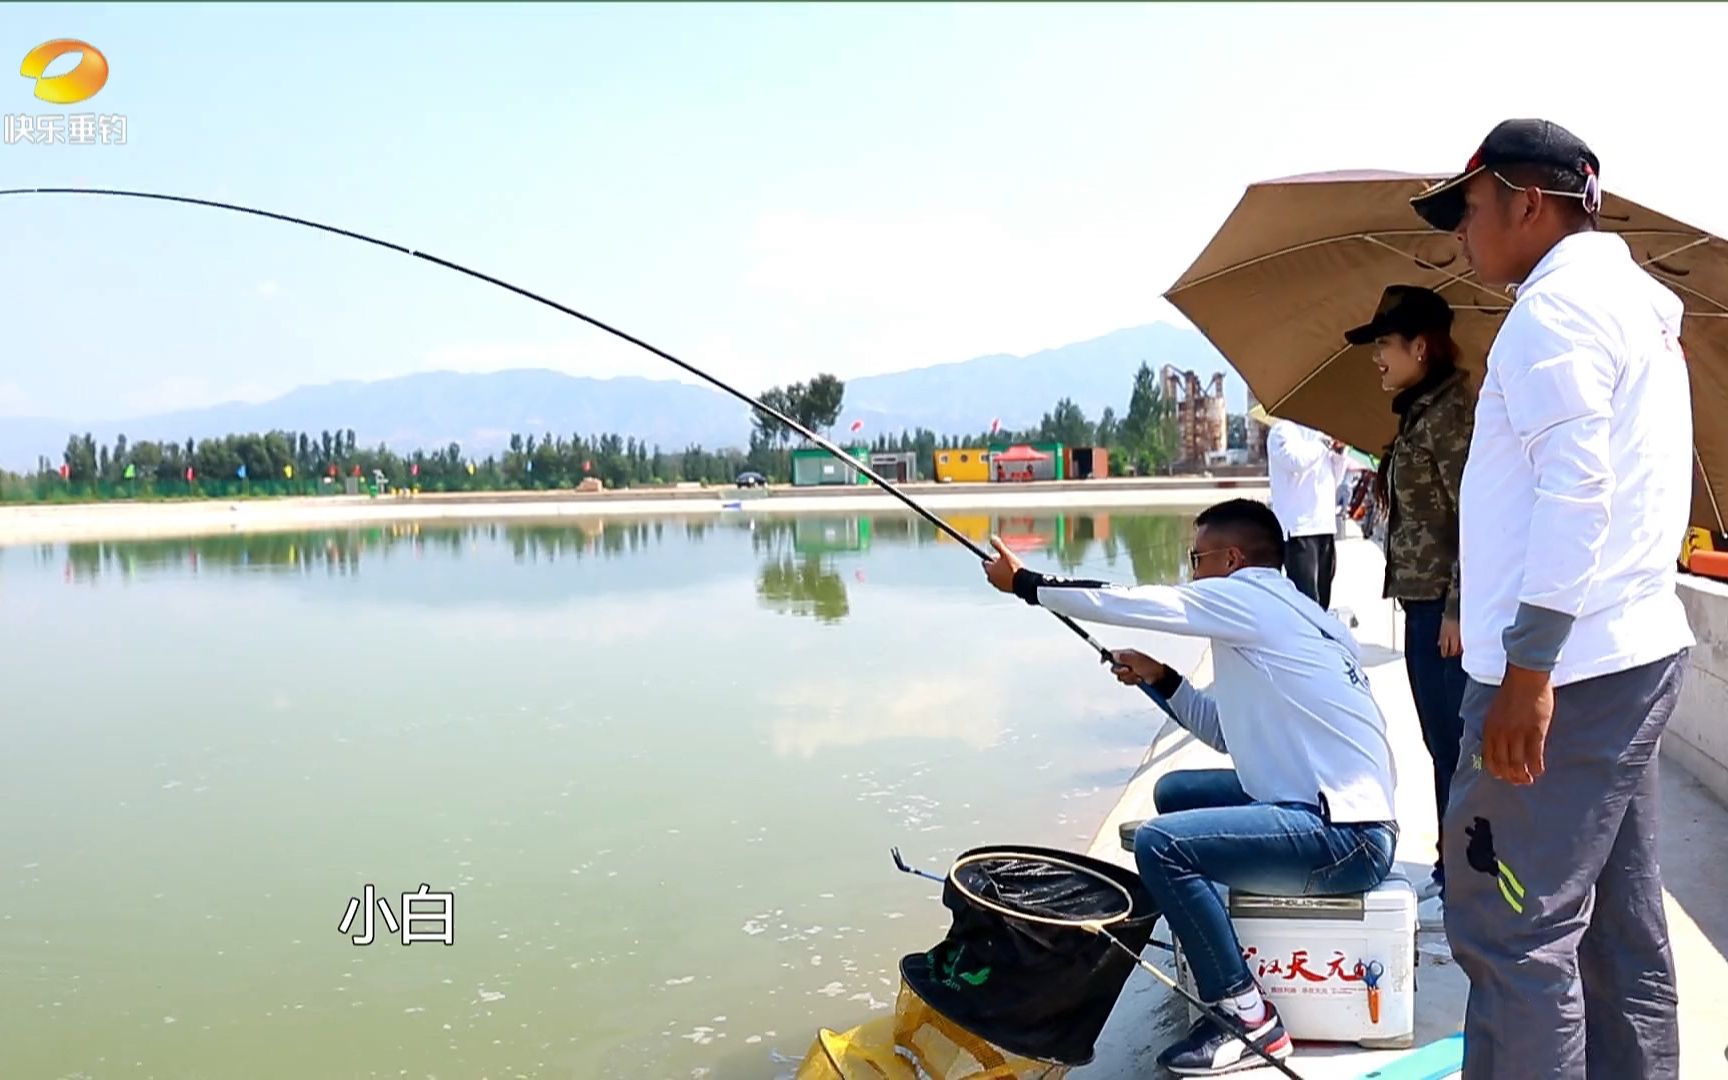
{"type": "Point", "coordinates": [1195, 557]}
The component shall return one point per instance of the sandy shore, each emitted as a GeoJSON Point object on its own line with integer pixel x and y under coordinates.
{"type": "Point", "coordinates": [123, 520]}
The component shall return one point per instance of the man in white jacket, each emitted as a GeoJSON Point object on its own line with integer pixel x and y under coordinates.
{"type": "Point", "coordinates": [1572, 509]}
{"type": "Point", "coordinates": [1305, 468]}
{"type": "Point", "coordinates": [1308, 809]}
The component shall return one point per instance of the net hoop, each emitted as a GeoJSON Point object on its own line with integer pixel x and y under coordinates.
{"type": "Point", "coordinates": [1092, 925]}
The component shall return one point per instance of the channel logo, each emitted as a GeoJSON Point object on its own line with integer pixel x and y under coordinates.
{"type": "Point", "coordinates": [80, 84]}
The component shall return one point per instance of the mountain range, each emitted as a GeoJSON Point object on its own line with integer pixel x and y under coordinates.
{"type": "Point", "coordinates": [480, 411]}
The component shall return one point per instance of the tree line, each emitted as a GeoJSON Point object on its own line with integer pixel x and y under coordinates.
{"type": "Point", "coordinates": [790, 578]}
{"type": "Point", "coordinates": [300, 463]}
{"type": "Point", "coordinates": [1143, 439]}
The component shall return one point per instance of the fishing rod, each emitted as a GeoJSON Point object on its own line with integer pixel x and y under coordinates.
{"type": "Point", "coordinates": [880, 481]}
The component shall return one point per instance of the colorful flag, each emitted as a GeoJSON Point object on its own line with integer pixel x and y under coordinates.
{"type": "Point", "coordinates": [470, 468]}
{"type": "Point", "coordinates": [288, 471]}
{"type": "Point", "coordinates": [131, 471]}
{"type": "Point", "coordinates": [240, 472]}
{"type": "Point", "coordinates": [995, 425]}
{"type": "Point", "coordinates": [857, 425]}
{"type": "Point", "coordinates": [189, 474]}
{"type": "Point", "coordinates": [414, 469]}
{"type": "Point", "coordinates": [65, 472]}
{"type": "Point", "coordinates": [332, 470]}
{"type": "Point", "coordinates": [356, 470]}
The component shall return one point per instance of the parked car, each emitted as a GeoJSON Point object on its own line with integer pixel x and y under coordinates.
{"type": "Point", "coordinates": [751, 479]}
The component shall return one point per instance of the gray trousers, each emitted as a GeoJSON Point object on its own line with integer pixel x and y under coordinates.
{"type": "Point", "coordinates": [1553, 894]}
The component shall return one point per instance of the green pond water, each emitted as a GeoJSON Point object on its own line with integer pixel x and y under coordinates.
{"type": "Point", "coordinates": [657, 765]}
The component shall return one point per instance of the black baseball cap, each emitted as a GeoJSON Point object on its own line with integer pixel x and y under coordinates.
{"type": "Point", "coordinates": [1514, 142]}
{"type": "Point", "coordinates": [1406, 310]}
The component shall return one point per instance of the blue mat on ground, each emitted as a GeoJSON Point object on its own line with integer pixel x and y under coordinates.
{"type": "Point", "coordinates": [1438, 1060]}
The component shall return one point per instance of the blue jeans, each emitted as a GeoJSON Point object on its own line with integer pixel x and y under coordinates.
{"type": "Point", "coordinates": [1437, 685]}
{"type": "Point", "coordinates": [1208, 832]}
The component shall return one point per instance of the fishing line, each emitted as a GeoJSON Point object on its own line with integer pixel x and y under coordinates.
{"type": "Point", "coordinates": [1211, 1012]}
{"type": "Point", "coordinates": [880, 481]}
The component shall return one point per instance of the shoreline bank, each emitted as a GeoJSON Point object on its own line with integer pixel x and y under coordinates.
{"type": "Point", "coordinates": [59, 523]}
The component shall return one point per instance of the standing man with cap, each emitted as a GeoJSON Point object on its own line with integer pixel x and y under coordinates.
{"type": "Point", "coordinates": [1574, 502]}
{"type": "Point", "coordinates": [1305, 468]}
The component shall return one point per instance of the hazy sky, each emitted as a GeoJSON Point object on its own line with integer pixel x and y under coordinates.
{"type": "Point", "coordinates": [766, 191]}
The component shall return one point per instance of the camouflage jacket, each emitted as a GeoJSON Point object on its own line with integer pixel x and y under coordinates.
{"type": "Point", "coordinates": [1425, 465]}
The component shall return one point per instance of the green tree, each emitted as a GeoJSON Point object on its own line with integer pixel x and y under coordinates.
{"type": "Point", "coordinates": [819, 403]}
{"type": "Point", "coordinates": [1109, 429]}
{"type": "Point", "coordinates": [1148, 434]}
{"type": "Point", "coordinates": [80, 459]}
{"type": "Point", "coordinates": [1066, 424]}
{"type": "Point", "coordinates": [148, 458]}
{"type": "Point", "coordinates": [772, 431]}
{"type": "Point", "coordinates": [816, 405]}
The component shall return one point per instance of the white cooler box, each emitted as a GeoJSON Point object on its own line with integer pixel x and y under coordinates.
{"type": "Point", "coordinates": [1304, 951]}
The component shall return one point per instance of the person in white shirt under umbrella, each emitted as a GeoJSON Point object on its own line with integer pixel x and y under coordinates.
{"type": "Point", "coordinates": [1305, 470]}
{"type": "Point", "coordinates": [1573, 508]}
{"type": "Point", "coordinates": [1308, 809]}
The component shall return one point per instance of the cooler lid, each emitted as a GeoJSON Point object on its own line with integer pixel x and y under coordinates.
{"type": "Point", "coordinates": [1393, 894]}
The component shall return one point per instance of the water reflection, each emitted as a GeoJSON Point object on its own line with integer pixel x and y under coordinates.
{"type": "Point", "coordinates": [798, 554]}
{"type": "Point", "coordinates": [803, 586]}
{"type": "Point", "coordinates": [340, 551]}
{"type": "Point", "coordinates": [580, 539]}
{"type": "Point", "coordinates": [1154, 545]}
{"type": "Point", "coordinates": [515, 670]}
{"type": "Point", "coordinates": [798, 574]}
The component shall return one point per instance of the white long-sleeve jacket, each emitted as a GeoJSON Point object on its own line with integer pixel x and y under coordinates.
{"type": "Point", "coordinates": [1305, 473]}
{"type": "Point", "coordinates": [1289, 701]}
{"type": "Point", "coordinates": [1578, 487]}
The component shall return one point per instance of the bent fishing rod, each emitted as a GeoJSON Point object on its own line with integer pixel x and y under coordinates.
{"type": "Point", "coordinates": [880, 481]}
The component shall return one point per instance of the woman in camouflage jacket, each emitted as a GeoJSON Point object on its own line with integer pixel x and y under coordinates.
{"type": "Point", "coordinates": [1418, 486]}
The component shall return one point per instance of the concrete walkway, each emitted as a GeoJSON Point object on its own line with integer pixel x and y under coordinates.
{"type": "Point", "coordinates": [1694, 860]}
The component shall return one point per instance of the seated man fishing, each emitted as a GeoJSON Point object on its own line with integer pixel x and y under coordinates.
{"type": "Point", "coordinates": [1308, 809]}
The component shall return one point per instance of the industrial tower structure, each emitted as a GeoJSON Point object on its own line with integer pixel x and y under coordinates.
{"type": "Point", "coordinates": [1202, 423]}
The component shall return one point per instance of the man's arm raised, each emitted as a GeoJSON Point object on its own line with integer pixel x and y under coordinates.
{"type": "Point", "coordinates": [1213, 609]}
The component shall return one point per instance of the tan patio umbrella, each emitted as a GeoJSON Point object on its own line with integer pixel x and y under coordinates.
{"type": "Point", "coordinates": [1303, 259]}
